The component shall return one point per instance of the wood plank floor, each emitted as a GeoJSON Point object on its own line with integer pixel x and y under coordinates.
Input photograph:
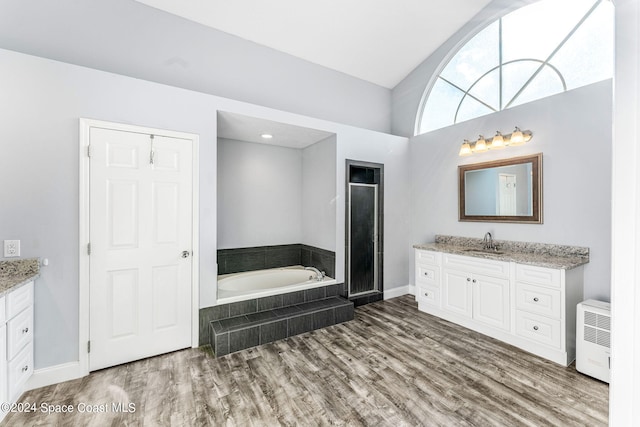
{"type": "Point", "coordinates": [391, 366]}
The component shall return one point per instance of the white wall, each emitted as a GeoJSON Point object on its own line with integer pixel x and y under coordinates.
{"type": "Point", "coordinates": [259, 194]}
{"type": "Point", "coordinates": [319, 194]}
{"type": "Point", "coordinates": [42, 101]}
{"type": "Point", "coordinates": [271, 195]}
{"type": "Point", "coordinates": [129, 38]}
{"type": "Point", "coordinates": [393, 152]}
{"type": "Point", "coordinates": [573, 131]}
{"type": "Point", "coordinates": [625, 296]}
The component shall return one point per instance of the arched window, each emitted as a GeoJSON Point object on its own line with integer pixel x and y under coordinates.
{"type": "Point", "coordinates": [536, 51]}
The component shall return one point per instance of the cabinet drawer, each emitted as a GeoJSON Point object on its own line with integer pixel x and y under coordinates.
{"type": "Point", "coordinates": [428, 274]}
{"type": "Point", "coordinates": [19, 299]}
{"type": "Point", "coordinates": [476, 265]}
{"type": "Point", "coordinates": [538, 328]}
{"type": "Point", "coordinates": [19, 332]}
{"type": "Point", "coordinates": [538, 275]}
{"type": "Point", "coordinates": [20, 369]}
{"type": "Point", "coordinates": [539, 300]}
{"type": "Point", "coordinates": [429, 257]}
{"type": "Point", "coordinates": [429, 295]}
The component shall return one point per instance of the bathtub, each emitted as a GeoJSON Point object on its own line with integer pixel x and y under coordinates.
{"type": "Point", "coordinates": [263, 283]}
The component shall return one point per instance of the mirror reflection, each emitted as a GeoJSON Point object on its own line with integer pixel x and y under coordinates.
{"type": "Point", "coordinates": [504, 190]}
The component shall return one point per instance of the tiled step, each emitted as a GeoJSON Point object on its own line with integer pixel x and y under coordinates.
{"type": "Point", "coordinates": [367, 298]}
{"type": "Point", "coordinates": [255, 305]}
{"type": "Point", "coordinates": [241, 332]}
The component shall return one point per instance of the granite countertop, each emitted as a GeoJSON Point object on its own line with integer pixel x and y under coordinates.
{"type": "Point", "coordinates": [16, 273]}
{"type": "Point", "coordinates": [537, 254]}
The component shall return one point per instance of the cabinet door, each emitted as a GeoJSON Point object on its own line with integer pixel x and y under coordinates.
{"type": "Point", "coordinates": [491, 301]}
{"type": "Point", "coordinates": [457, 292]}
{"type": "Point", "coordinates": [4, 385]}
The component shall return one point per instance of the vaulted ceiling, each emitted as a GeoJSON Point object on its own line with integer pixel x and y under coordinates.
{"type": "Point", "coordinates": [179, 42]}
{"type": "Point", "coordinates": [379, 41]}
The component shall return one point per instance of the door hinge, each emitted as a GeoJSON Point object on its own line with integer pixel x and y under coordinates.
{"type": "Point", "coordinates": [151, 154]}
{"type": "Point", "coordinates": [88, 248]}
{"type": "Point", "coordinates": [88, 150]}
{"type": "Point", "coordinates": [88, 346]}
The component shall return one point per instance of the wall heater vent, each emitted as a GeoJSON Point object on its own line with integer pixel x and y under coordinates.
{"type": "Point", "coordinates": [593, 355]}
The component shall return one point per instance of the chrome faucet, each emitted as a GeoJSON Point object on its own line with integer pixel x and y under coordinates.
{"type": "Point", "coordinates": [319, 274]}
{"type": "Point", "coordinates": [487, 242]}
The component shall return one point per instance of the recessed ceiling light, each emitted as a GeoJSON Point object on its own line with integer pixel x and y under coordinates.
{"type": "Point", "coordinates": [266, 136]}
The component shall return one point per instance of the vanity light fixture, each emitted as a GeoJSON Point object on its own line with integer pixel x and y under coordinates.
{"type": "Point", "coordinates": [266, 136]}
{"type": "Point", "coordinates": [465, 150]}
{"type": "Point", "coordinates": [498, 141]}
{"type": "Point", "coordinates": [517, 137]}
{"type": "Point", "coordinates": [481, 144]}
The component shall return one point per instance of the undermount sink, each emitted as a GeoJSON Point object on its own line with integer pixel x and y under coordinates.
{"type": "Point", "coordinates": [483, 251]}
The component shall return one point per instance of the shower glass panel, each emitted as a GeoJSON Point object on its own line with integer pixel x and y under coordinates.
{"type": "Point", "coordinates": [363, 239]}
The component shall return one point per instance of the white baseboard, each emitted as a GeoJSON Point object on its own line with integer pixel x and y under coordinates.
{"type": "Point", "coordinates": [398, 292]}
{"type": "Point", "coordinates": [54, 375]}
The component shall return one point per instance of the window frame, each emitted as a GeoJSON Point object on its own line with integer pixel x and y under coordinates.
{"type": "Point", "coordinates": [466, 93]}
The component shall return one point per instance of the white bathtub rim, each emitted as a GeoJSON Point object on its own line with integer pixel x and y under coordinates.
{"type": "Point", "coordinates": [272, 291]}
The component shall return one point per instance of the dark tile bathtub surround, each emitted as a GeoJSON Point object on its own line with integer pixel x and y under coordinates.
{"type": "Point", "coordinates": [243, 307]}
{"type": "Point", "coordinates": [291, 298]}
{"type": "Point", "coordinates": [237, 333]}
{"type": "Point", "coordinates": [262, 257]}
{"type": "Point", "coordinates": [226, 311]}
{"type": "Point", "coordinates": [321, 259]}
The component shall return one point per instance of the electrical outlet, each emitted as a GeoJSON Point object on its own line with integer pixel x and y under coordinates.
{"type": "Point", "coordinates": [11, 248]}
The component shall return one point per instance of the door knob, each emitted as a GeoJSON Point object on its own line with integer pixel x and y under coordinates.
{"type": "Point", "coordinates": [185, 254]}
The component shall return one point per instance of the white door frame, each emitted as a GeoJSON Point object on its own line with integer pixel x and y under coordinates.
{"type": "Point", "coordinates": [84, 174]}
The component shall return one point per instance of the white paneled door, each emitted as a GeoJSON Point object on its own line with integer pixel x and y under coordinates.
{"type": "Point", "coordinates": [507, 194]}
{"type": "Point", "coordinates": [141, 243]}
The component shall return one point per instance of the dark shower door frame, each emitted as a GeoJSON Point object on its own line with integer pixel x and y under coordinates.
{"type": "Point", "coordinates": [376, 179]}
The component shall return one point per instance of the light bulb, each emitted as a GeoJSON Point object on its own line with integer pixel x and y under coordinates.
{"type": "Point", "coordinates": [498, 141]}
{"type": "Point", "coordinates": [465, 150]}
{"type": "Point", "coordinates": [517, 138]}
{"type": "Point", "coordinates": [481, 144]}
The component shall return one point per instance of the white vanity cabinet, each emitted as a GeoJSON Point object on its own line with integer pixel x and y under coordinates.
{"type": "Point", "coordinates": [477, 289]}
{"type": "Point", "coordinates": [3, 360]}
{"type": "Point", "coordinates": [545, 312]}
{"type": "Point", "coordinates": [428, 288]}
{"type": "Point", "coordinates": [16, 342]}
{"type": "Point", "coordinates": [527, 306]}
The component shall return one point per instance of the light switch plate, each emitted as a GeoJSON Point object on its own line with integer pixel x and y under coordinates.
{"type": "Point", "coordinates": [11, 248]}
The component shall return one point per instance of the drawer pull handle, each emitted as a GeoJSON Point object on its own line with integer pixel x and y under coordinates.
{"type": "Point", "coordinates": [426, 294]}
{"type": "Point", "coordinates": [474, 280]}
{"type": "Point", "coordinates": [25, 330]}
{"type": "Point", "coordinates": [535, 328]}
{"type": "Point", "coordinates": [536, 299]}
{"type": "Point", "coordinates": [25, 368]}
{"type": "Point", "coordinates": [468, 279]}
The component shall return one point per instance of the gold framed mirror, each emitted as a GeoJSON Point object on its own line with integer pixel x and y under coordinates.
{"type": "Point", "coordinates": [508, 190]}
